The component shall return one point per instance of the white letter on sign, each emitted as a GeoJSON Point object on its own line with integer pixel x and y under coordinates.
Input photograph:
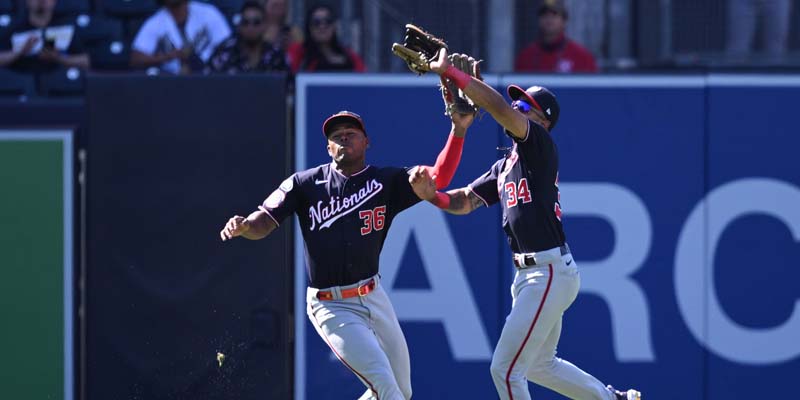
{"type": "Point", "coordinates": [611, 278]}
{"type": "Point", "coordinates": [694, 271]}
{"type": "Point", "coordinates": [449, 299]}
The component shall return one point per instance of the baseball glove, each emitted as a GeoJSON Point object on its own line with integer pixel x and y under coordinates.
{"type": "Point", "coordinates": [455, 100]}
{"type": "Point", "coordinates": [419, 48]}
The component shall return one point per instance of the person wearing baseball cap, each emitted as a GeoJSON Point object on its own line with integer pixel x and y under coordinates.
{"type": "Point", "coordinates": [537, 98]}
{"type": "Point", "coordinates": [342, 117]}
{"type": "Point", "coordinates": [547, 280]}
{"type": "Point", "coordinates": [347, 140]}
{"type": "Point", "coordinates": [553, 51]}
{"type": "Point", "coordinates": [345, 209]}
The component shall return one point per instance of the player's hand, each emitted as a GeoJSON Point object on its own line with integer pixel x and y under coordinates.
{"type": "Point", "coordinates": [185, 53]}
{"type": "Point", "coordinates": [29, 44]}
{"type": "Point", "coordinates": [423, 184]}
{"type": "Point", "coordinates": [441, 63]}
{"type": "Point", "coordinates": [175, 54]}
{"type": "Point", "coordinates": [236, 226]}
{"type": "Point", "coordinates": [50, 55]}
{"type": "Point", "coordinates": [461, 122]}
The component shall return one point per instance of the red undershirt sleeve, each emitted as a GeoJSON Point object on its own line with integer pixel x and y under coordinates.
{"type": "Point", "coordinates": [447, 162]}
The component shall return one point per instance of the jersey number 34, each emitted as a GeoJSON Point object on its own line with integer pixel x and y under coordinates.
{"type": "Point", "coordinates": [517, 191]}
{"type": "Point", "coordinates": [373, 219]}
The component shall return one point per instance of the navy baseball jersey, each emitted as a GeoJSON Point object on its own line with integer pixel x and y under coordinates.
{"type": "Point", "coordinates": [344, 220]}
{"type": "Point", "coordinates": [525, 182]}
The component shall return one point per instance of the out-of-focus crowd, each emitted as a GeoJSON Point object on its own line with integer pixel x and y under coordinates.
{"type": "Point", "coordinates": [47, 37]}
{"type": "Point", "coordinates": [180, 37]}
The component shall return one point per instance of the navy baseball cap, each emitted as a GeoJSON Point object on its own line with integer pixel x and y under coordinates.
{"type": "Point", "coordinates": [341, 117]}
{"type": "Point", "coordinates": [539, 98]}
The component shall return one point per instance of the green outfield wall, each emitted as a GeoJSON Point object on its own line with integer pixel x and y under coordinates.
{"type": "Point", "coordinates": [36, 264]}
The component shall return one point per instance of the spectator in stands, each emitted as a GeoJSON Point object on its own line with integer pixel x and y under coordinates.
{"type": "Point", "coordinates": [36, 45]}
{"type": "Point", "coordinates": [180, 37]}
{"type": "Point", "coordinates": [277, 31]}
{"type": "Point", "coordinates": [553, 51]}
{"type": "Point", "coordinates": [321, 50]}
{"type": "Point", "coordinates": [247, 51]}
{"type": "Point", "coordinates": [773, 16]}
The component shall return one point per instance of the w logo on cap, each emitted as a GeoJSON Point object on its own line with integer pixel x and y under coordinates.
{"type": "Point", "coordinates": [547, 111]}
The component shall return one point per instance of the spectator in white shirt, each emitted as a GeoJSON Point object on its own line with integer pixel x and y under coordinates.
{"type": "Point", "coordinates": [37, 45]}
{"type": "Point", "coordinates": [180, 37]}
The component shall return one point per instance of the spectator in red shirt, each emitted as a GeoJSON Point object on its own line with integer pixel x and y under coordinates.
{"type": "Point", "coordinates": [321, 50]}
{"type": "Point", "coordinates": [553, 51]}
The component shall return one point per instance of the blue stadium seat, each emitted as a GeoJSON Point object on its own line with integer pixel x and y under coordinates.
{"type": "Point", "coordinates": [132, 27]}
{"type": "Point", "coordinates": [16, 86]}
{"type": "Point", "coordinates": [7, 22]}
{"type": "Point", "coordinates": [65, 82]}
{"type": "Point", "coordinates": [129, 8]}
{"type": "Point", "coordinates": [110, 56]}
{"type": "Point", "coordinates": [95, 28]}
{"type": "Point", "coordinates": [228, 7]}
{"type": "Point", "coordinates": [7, 7]}
{"type": "Point", "coordinates": [71, 7]}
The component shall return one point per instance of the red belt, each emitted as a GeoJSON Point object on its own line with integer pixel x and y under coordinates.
{"type": "Point", "coordinates": [361, 290]}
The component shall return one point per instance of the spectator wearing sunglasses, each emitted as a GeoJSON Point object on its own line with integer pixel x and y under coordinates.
{"type": "Point", "coordinates": [247, 51]}
{"type": "Point", "coordinates": [321, 50]}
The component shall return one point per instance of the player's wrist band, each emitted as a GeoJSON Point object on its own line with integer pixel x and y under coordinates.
{"type": "Point", "coordinates": [460, 78]}
{"type": "Point", "coordinates": [441, 200]}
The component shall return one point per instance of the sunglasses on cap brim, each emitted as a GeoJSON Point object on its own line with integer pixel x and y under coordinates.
{"type": "Point", "coordinates": [521, 105]}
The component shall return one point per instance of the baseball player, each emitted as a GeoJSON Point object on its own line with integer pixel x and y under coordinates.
{"type": "Point", "coordinates": [345, 209]}
{"type": "Point", "coordinates": [525, 183]}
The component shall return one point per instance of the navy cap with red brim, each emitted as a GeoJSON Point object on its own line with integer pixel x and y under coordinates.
{"type": "Point", "coordinates": [342, 117]}
{"type": "Point", "coordinates": [515, 92]}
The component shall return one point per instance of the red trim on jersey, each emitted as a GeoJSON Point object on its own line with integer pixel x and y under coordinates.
{"type": "Point", "coordinates": [471, 190]}
{"type": "Point", "coordinates": [530, 330]}
{"type": "Point", "coordinates": [509, 163]}
{"type": "Point", "coordinates": [325, 338]}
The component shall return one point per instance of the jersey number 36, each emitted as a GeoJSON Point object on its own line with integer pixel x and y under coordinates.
{"type": "Point", "coordinates": [373, 219]}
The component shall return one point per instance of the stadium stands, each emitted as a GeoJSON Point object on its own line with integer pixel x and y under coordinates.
{"type": "Point", "coordinates": [65, 82]}
{"type": "Point", "coordinates": [14, 86]}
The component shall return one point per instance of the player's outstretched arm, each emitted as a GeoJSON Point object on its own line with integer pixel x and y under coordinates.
{"type": "Point", "coordinates": [450, 156]}
{"type": "Point", "coordinates": [458, 201]}
{"type": "Point", "coordinates": [462, 201]}
{"type": "Point", "coordinates": [483, 95]}
{"type": "Point", "coordinates": [256, 226]}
